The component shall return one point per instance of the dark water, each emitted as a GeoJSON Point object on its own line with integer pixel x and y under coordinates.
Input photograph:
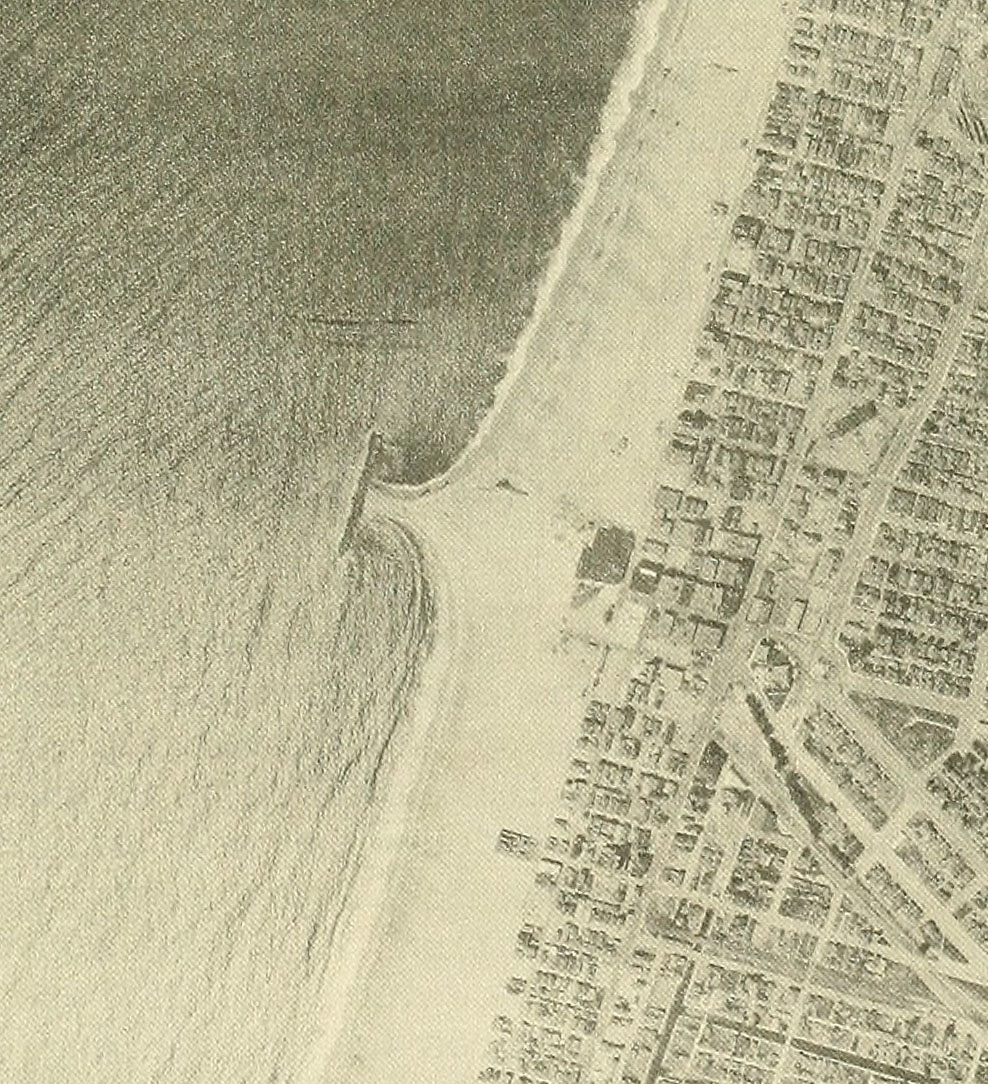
{"type": "Point", "coordinates": [192, 189]}
{"type": "Point", "coordinates": [232, 236]}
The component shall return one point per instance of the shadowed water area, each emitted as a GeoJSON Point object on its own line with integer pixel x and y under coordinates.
{"type": "Point", "coordinates": [232, 236]}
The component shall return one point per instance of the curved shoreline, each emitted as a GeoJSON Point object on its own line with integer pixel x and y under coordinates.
{"type": "Point", "coordinates": [365, 909]}
{"type": "Point", "coordinates": [646, 36]}
{"type": "Point", "coordinates": [512, 678]}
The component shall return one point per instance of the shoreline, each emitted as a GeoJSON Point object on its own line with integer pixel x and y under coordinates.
{"type": "Point", "coordinates": [370, 891]}
{"type": "Point", "coordinates": [364, 910]}
{"type": "Point", "coordinates": [366, 907]}
{"type": "Point", "coordinates": [392, 878]}
{"type": "Point", "coordinates": [646, 37]}
{"type": "Point", "coordinates": [487, 745]}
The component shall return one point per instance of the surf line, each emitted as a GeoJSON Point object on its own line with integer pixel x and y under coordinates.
{"type": "Point", "coordinates": [646, 37]}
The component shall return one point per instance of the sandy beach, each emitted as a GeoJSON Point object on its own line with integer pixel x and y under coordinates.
{"type": "Point", "coordinates": [577, 435]}
{"type": "Point", "coordinates": [658, 21]}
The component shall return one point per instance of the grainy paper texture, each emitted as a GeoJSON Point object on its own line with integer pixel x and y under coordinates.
{"type": "Point", "coordinates": [495, 574]}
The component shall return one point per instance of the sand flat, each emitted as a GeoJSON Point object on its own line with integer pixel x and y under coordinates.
{"type": "Point", "coordinates": [579, 436]}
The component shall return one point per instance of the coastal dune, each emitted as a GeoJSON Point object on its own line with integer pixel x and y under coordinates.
{"type": "Point", "coordinates": [576, 438]}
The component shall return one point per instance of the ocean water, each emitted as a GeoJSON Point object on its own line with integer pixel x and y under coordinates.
{"type": "Point", "coordinates": [232, 237]}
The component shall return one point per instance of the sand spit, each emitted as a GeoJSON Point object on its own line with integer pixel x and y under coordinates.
{"type": "Point", "coordinates": [577, 440]}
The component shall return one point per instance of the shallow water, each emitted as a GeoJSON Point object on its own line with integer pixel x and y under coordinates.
{"type": "Point", "coordinates": [181, 861]}
{"type": "Point", "coordinates": [211, 217]}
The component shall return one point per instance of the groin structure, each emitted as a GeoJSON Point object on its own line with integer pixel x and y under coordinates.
{"type": "Point", "coordinates": [372, 458]}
